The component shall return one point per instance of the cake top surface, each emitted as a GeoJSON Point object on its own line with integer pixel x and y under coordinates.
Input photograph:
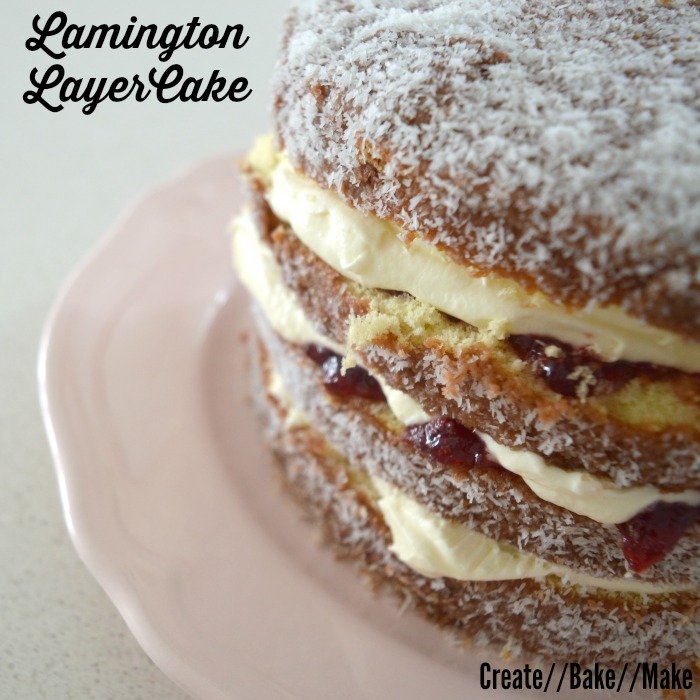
{"type": "Point", "coordinates": [554, 142]}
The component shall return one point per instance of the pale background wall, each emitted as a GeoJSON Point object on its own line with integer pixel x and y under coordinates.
{"type": "Point", "coordinates": [65, 177]}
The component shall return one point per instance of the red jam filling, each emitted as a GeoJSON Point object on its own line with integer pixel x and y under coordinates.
{"type": "Point", "coordinates": [571, 371]}
{"type": "Point", "coordinates": [450, 444]}
{"type": "Point", "coordinates": [318, 353]}
{"type": "Point", "coordinates": [355, 382]}
{"type": "Point", "coordinates": [650, 535]}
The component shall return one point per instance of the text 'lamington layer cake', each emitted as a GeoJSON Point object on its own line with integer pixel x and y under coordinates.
{"type": "Point", "coordinates": [473, 247]}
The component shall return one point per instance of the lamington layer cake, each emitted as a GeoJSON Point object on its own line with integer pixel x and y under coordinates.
{"type": "Point", "coordinates": [473, 251]}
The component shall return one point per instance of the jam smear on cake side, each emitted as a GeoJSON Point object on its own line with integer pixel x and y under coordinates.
{"type": "Point", "coordinates": [355, 381]}
{"type": "Point", "coordinates": [650, 535]}
{"type": "Point", "coordinates": [451, 444]}
{"type": "Point", "coordinates": [571, 371]}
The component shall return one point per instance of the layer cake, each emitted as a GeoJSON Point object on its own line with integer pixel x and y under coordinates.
{"type": "Point", "coordinates": [473, 248]}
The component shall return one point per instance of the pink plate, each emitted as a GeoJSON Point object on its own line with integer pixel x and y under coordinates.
{"type": "Point", "coordinates": [171, 498]}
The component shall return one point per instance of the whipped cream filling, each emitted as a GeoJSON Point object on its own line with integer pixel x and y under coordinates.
{"type": "Point", "coordinates": [372, 252]}
{"type": "Point", "coordinates": [259, 272]}
{"type": "Point", "coordinates": [405, 409]}
{"type": "Point", "coordinates": [579, 492]}
{"type": "Point", "coordinates": [434, 547]}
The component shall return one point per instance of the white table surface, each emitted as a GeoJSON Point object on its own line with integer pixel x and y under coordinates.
{"type": "Point", "coordinates": [65, 178]}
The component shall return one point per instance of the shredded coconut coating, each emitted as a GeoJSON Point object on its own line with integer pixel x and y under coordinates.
{"type": "Point", "coordinates": [554, 143]}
